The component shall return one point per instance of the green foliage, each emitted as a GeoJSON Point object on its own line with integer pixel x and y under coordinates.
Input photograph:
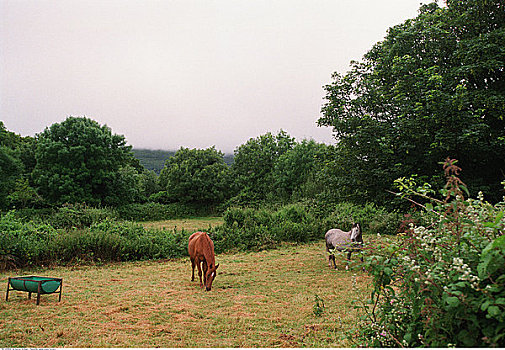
{"type": "Point", "coordinates": [119, 241]}
{"type": "Point", "coordinates": [444, 284]}
{"type": "Point", "coordinates": [253, 167]}
{"type": "Point", "coordinates": [248, 228]}
{"type": "Point", "coordinates": [294, 170]}
{"type": "Point", "coordinates": [76, 216]}
{"type": "Point", "coordinates": [373, 219]}
{"type": "Point", "coordinates": [23, 244]}
{"type": "Point", "coordinates": [154, 211]}
{"type": "Point", "coordinates": [10, 171]}
{"type": "Point", "coordinates": [79, 161]}
{"type": "Point", "coordinates": [194, 176]}
{"type": "Point", "coordinates": [148, 185]}
{"type": "Point", "coordinates": [433, 88]}
{"type": "Point", "coordinates": [23, 195]}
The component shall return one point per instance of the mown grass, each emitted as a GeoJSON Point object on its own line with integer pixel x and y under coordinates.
{"type": "Point", "coordinates": [189, 224]}
{"type": "Point", "coordinates": [259, 299]}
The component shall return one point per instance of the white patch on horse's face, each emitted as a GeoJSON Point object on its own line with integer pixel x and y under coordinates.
{"type": "Point", "coordinates": [354, 233]}
{"type": "Point", "coordinates": [213, 274]}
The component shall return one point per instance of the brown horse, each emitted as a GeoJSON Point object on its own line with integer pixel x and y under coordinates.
{"type": "Point", "coordinates": [201, 251]}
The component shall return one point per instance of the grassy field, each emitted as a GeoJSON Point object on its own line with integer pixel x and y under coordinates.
{"type": "Point", "coordinates": [259, 299]}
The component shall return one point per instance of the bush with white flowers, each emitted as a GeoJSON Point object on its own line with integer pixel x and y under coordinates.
{"type": "Point", "coordinates": [443, 283]}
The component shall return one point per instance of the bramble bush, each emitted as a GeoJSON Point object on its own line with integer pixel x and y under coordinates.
{"type": "Point", "coordinates": [443, 284]}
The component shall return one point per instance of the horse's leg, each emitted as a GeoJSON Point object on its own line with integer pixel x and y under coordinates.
{"type": "Point", "coordinates": [204, 267]}
{"type": "Point", "coordinates": [192, 269]}
{"type": "Point", "coordinates": [331, 258]}
{"type": "Point", "coordinates": [199, 273]}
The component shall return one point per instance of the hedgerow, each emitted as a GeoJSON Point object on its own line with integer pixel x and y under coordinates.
{"type": "Point", "coordinates": [78, 233]}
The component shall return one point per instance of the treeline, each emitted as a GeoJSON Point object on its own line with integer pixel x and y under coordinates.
{"type": "Point", "coordinates": [433, 88]}
{"type": "Point", "coordinates": [81, 161]}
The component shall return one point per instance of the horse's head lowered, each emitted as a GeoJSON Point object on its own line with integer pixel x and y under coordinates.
{"type": "Point", "coordinates": [210, 275]}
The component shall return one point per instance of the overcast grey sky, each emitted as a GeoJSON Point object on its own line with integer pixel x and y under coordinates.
{"type": "Point", "coordinates": [186, 73]}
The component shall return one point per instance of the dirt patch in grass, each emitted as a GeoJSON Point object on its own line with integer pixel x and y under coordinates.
{"type": "Point", "coordinates": [260, 299]}
{"type": "Point", "coordinates": [190, 224]}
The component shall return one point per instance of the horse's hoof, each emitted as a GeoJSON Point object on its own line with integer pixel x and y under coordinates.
{"type": "Point", "coordinates": [347, 267]}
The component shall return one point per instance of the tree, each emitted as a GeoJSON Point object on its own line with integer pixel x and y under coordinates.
{"type": "Point", "coordinates": [23, 195]}
{"type": "Point", "coordinates": [298, 165]}
{"type": "Point", "coordinates": [10, 166]}
{"type": "Point", "coordinates": [254, 163]}
{"type": "Point", "coordinates": [196, 176]}
{"type": "Point", "coordinates": [148, 184]}
{"type": "Point", "coordinates": [78, 160]}
{"type": "Point", "coordinates": [435, 87]}
{"type": "Point", "coordinates": [10, 171]}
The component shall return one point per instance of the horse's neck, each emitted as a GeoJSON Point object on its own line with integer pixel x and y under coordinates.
{"type": "Point", "coordinates": [209, 257]}
{"type": "Point", "coordinates": [208, 253]}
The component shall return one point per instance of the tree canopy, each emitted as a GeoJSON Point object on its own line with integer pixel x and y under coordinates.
{"type": "Point", "coordinates": [78, 160]}
{"type": "Point", "coordinates": [254, 164]}
{"type": "Point", "coordinates": [433, 88]}
{"type": "Point", "coordinates": [195, 176]}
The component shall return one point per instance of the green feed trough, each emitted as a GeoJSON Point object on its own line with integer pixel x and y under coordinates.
{"type": "Point", "coordinates": [35, 284]}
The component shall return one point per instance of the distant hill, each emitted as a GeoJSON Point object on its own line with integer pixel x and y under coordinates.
{"type": "Point", "coordinates": [155, 159]}
{"type": "Point", "coordinates": [152, 159]}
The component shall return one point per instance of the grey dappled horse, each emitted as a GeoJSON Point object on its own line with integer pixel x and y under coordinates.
{"type": "Point", "coordinates": [336, 239]}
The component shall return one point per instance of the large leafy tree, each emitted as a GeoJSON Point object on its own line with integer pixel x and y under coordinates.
{"type": "Point", "coordinates": [435, 87]}
{"type": "Point", "coordinates": [196, 176]}
{"type": "Point", "coordinates": [79, 160]}
{"type": "Point", "coordinates": [254, 163]}
{"type": "Point", "coordinates": [297, 166]}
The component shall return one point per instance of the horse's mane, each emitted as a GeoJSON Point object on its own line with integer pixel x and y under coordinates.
{"type": "Point", "coordinates": [207, 249]}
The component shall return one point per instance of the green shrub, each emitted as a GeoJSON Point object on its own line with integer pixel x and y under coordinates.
{"type": "Point", "coordinates": [77, 216]}
{"type": "Point", "coordinates": [154, 211]}
{"type": "Point", "coordinates": [23, 244]}
{"type": "Point", "coordinates": [251, 228]}
{"type": "Point", "coordinates": [373, 219]}
{"type": "Point", "coordinates": [442, 285]}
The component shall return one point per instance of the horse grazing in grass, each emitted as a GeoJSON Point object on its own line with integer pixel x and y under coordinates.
{"type": "Point", "coordinates": [201, 251]}
{"type": "Point", "coordinates": [337, 239]}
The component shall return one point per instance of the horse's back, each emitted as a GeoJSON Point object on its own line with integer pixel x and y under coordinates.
{"type": "Point", "coordinates": [193, 242]}
{"type": "Point", "coordinates": [198, 242]}
{"type": "Point", "coordinates": [337, 239]}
